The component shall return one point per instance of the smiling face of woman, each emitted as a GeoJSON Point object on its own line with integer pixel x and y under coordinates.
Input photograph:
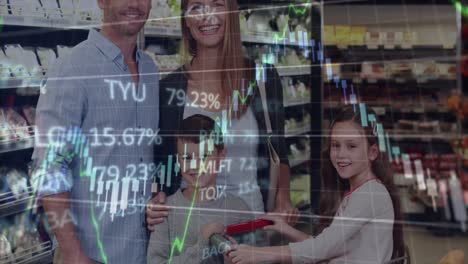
{"type": "Point", "coordinates": [206, 21]}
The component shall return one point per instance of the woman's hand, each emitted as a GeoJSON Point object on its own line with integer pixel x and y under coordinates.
{"type": "Point", "coordinates": [282, 227]}
{"type": "Point", "coordinates": [279, 224]}
{"type": "Point", "coordinates": [285, 209]}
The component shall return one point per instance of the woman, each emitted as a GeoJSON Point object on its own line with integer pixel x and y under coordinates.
{"type": "Point", "coordinates": [218, 69]}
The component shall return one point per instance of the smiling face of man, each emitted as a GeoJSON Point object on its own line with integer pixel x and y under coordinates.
{"type": "Point", "coordinates": [125, 17]}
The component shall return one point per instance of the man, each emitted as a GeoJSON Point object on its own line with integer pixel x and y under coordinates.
{"type": "Point", "coordinates": [96, 117]}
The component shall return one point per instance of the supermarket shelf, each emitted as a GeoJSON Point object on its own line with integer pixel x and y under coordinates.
{"type": "Point", "coordinates": [422, 136]}
{"type": "Point", "coordinates": [298, 131]}
{"type": "Point", "coordinates": [293, 70]}
{"type": "Point", "coordinates": [16, 146]}
{"type": "Point", "coordinates": [162, 32]}
{"type": "Point", "coordinates": [16, 206]}
{"type": "Point", "coordinates": [14, 83]}
{"type": "Point", "coordinates": [270, 39]}
{"type": "Point", "coordinates": [403, 83]}
{"type": "Point", "coordinates": [362, 53]}
{"type": "Point", "coordinates": [385, 107]}
{"type": "Point", "coordinates": [294, 162]}
{"type": "Point", "coordinates": [40, 254]}
{"type": "Point", "coordinates": [151, 31]}
{"type": "Point", "coordinates": [58, 23]}
{"type": "Point", "coordinates": [296, 103]}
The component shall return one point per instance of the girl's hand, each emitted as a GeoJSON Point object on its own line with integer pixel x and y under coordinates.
{"type": "Point", "coordinates": [279, 223]}
{"type": "Point", "coordinates": [243, 254]}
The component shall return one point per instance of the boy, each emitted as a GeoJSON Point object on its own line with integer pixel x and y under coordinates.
{"type": "Point", "coordinates": [201, 156]}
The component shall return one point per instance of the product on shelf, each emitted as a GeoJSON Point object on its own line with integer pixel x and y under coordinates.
{"type": "Point", "coordinates": [373, 70]}
{"type": "Point", "coordinates": [342, 35]}
{"type": "Point", "coordinates": [299, 150]}
{"type": "Point", "coordinates": [29, 113]}
{"type": "Point", "coordinates": [298, 92]}
{"type": "Point", "coordinates": [282, 22]}
{"type": "Point", "coordinates": [18, 183]}
{"type": "Point", "coordinates": [165, 63]}
{"type": "Point", "coordinates": [357, 36]}
{"type": "Point", "coordinates": [22, 234]}
{"type": "Point", "coordinates": [284, 58]}
{"type": "Point", "coordinates": [27, 244]}
{"type": "Point", "coordinates": [89, 10]}
{"type": "Point", "coordinates": [300, 190]}
{"type": "Point", "coordinates": [68, 7]}
{"type": "Point", "coordinates": [13, 127]}
{"type": "Point", "coordinates": [434, 127]}
{"type": "Point", "coordinates": [291, 125]}
{"type": "Point", "coordinates": [292, 58]}
{"type": "Point", "coordinates": [244, 28]}
{"type": "Point", "coordinates": [26, 8]}
{"type": "Point", "coordinates": [51, 9]}
{"type": "Point", "coordinates": [24, 62]}
{"type": "Point", "coordinates": [165, 14]}
{"type": "Point", "coordinates": [399, 70]}
{"type": "Point", "coordinates": [5, 247]}
{"type": "Point", "coordinates": [3, 7]}
{"type": "Point", "coordinates": [13, 186]}
{"type": "Point", "coordinates": [409, 39]}
{"type": "Point", "coordinates": [258, 23]}
{"type": "Point", "coordinates": [329, 37]}
{"type": "Point", "coordinates": [5, 64]}
{"type": "Point", "coordinates": [426, 70]}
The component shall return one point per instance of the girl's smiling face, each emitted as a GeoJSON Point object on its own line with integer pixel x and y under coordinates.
{"type": "Point", "coordinates": [350, 152]}
{"type": "Point", "coordinates": [206, 20]}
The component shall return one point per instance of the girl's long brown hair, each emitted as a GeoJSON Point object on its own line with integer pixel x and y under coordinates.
{"type": "Point", "coordinates": [235, 68]}
{"type": "Point", "coordinates": [334, 187]}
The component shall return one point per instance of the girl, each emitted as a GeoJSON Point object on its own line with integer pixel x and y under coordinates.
{"type": "Point", "coordinates": [360, 222]}
{"type": "Point", "coordinates": [211, 36]}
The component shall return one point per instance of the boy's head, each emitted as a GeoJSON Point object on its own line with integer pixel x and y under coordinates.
{"type": "Point", "coordinates": [200, 150]}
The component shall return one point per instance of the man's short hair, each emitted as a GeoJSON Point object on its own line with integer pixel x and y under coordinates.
{"type": "Point", "coordinates": [194, 126]}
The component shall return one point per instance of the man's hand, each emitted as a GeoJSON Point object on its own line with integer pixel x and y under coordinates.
{"type": "Point", "coordinates": [156, 211]}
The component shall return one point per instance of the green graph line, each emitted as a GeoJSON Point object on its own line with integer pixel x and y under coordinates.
{"type": "Point", "coordinates": [298, 11]}
{"type": "Point", "coordinates": [460, 7]}
{"type": "Point", "coordinates": [244, 99]}
{"type": "Point", "coordinates": [179, 244]}
{"type": "Point", "coordinates": [295, 10]}
{"type": "Point", "coordinates": [96, 227]}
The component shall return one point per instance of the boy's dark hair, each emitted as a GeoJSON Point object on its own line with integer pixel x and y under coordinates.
{"type": "Point", "coordinates": [196, 125]}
